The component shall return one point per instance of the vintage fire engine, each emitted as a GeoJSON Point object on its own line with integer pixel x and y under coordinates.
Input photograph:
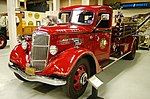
{"type": "Point", "coordinates": [83, 43]}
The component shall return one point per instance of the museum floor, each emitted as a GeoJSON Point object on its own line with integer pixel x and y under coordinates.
{"type": "Point", "coordinates": [123, 80]}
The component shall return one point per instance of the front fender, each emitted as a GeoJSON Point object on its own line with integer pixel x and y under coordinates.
{"type": "Point", "coordinates": [63, 64]}
{"type": "Point", "coordinates": [19, 56]}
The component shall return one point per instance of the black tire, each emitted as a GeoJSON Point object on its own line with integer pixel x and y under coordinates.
{"type": "Point", "coordinates": [131, 55]}
{"type": "Point", "coordinates": [20, 78]}
{"type": "Point", "coordinates": [3, 41]}
{"type": "Point", "coordinates": [74, 88]}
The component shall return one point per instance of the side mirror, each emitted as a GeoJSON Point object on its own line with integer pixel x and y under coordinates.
{"type": "Point", "coordinates": [102, 17]}
{"type": "Point", "coordinates": [105, 17]}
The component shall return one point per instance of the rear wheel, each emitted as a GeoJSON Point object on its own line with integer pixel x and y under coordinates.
{"type": "Point", "coordinates": [20, 78]}
{"type": "Point", "coordinates": [131, 55]}
{"type": "Point", "coordinates": [3, 41]}
{"type": "Point", "coordinates": [77, 80]}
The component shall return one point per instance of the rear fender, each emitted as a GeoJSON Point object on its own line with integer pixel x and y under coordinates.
{"type": "Point", "coordinates": [132, 40]}
{"type": "Point", "coordinates": [63, 63]}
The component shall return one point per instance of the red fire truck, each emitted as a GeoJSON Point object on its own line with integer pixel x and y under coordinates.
{"type": "Point", "coordinates": [83, 43]}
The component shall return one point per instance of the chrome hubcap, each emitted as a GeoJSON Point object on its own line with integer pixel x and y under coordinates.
{"type": "Point", "coordinates": [83, 78]}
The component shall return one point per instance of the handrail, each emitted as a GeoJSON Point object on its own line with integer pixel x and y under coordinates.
{"type": "Point", "coordinates": [146, 19]}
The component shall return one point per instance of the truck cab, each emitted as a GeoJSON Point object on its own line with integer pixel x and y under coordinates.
{"type": "Point", "coordinates": [96, 22]}
{"type": "Point", "coordinates": [81, 44]}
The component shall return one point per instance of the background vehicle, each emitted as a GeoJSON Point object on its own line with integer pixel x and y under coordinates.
{"type": "Point", "coordinates": [4, 33]}
{"type": "Point", "coordinates": [83, 43]}
{"type": "Point", "coordinates": [3, 37]}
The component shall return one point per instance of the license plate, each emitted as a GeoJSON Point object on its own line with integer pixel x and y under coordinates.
{"type": "Point", "coordinates": [30, 71]}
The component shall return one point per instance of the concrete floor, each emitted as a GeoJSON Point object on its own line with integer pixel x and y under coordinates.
{"type": "Point", "coordinates": [123, 80]}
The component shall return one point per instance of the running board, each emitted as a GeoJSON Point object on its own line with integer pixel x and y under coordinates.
{"type": "Point", "coordinates": [111, 61]}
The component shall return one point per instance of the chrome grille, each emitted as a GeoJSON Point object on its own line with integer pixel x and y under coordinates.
{"type": "Point", "coordinates": [40, 49]}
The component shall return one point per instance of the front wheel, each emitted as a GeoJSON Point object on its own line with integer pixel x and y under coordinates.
{"type": "Point", "coordinates": [77, 80]}
{"type": "Point", "coordinates": [3, 41]}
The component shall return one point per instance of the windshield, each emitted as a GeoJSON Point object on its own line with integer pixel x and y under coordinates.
{"type": "Point", "coordinates": [77, 17]}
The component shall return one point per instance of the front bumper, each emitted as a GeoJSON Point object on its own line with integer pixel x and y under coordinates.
{"type": "Point", "coordinates": [43, 79]}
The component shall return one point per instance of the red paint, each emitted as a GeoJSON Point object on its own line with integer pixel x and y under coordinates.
{"type": "Point", "coordinates": [19, 56]}
{"type": "Point", "coordinates": [63, 63]}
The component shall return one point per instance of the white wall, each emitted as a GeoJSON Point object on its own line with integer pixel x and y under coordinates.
{"type": "Point", "coordinates": [132, 12]}
{"type": "Point", "coordinates": [3, 6]}
{"type": "Point", "coordinates": [33, 19]}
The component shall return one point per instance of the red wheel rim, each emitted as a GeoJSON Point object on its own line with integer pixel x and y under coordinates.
{"type": "Point", "coordinates": [2, 40]}
{"type": "Point", "coordinates": [80, 78]}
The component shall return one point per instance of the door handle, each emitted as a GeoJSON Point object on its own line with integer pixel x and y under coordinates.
{"type": "Point", "coordinates": [97, 37]}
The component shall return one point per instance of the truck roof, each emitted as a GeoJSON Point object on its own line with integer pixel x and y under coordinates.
{"type": "Point", "coordinates": [88, 7]}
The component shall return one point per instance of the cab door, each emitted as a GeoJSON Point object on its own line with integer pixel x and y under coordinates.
{"type": "Point", "coordinates": [103, 36]}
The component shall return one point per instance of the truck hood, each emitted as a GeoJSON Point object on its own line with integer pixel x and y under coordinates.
{"type": "Point", "coordinates": [65, 29]}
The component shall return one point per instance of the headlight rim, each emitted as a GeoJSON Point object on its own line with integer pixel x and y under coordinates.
{"type": "Point", "coordinates": [24, 44]}
{"type": "Point", "coordinates": [53, 49]}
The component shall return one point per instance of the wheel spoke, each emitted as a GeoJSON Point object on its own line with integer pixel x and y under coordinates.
{"type": "Point", "coordinates": [76, 81]}
{"type": "Point", "coordinates": [77, 85]}
{"type": "Point", "coordinates": [76, 77]}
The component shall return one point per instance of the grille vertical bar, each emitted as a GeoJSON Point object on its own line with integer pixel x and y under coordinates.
{"type": "Point", "coordinates": [40, 49]}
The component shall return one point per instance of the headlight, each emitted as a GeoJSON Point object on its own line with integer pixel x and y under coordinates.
{"type": "Point", "coordinates": [53, 49]}
{"type": "Point", "coordinates": [24, 44]}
